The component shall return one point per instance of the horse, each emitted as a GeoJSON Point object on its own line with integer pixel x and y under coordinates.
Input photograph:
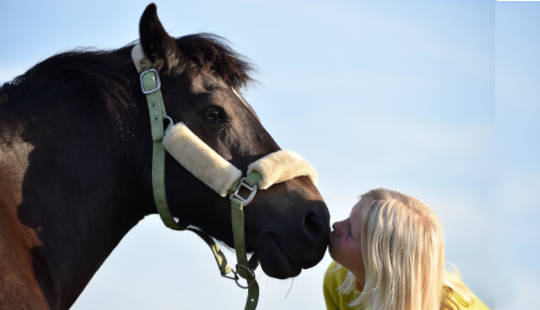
{"type": "Point", "coordinates": [76, 165]}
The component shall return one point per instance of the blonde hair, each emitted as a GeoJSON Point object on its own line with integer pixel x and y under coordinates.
{"type": "Point", "coordinates": [402, 245]}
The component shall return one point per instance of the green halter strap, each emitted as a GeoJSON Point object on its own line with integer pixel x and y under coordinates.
{"type": "Point", "coordinates": [151, 87]}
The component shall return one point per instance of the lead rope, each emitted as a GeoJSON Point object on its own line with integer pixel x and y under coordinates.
{"type": "Point", "coordinates": [151, 87]}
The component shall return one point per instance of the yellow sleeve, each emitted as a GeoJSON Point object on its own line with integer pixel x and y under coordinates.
{"type": "Point", "coordinates": [333, 278]}
{"type": "Point", "coordinates": [330, 286]}
{"type": "Point", "coordinates": [477, 304]}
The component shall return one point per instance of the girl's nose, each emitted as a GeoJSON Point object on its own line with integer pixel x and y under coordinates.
{"type": "Point", "coordinates": [336, 226]}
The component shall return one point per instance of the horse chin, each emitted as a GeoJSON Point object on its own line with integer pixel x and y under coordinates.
{"type": "Point", "coordinates": [275, 260]}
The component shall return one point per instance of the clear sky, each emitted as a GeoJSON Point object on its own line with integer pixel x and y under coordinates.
{"type": "Point", "coordinates": [433, 98]}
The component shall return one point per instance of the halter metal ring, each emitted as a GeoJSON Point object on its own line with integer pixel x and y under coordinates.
{"type": "Point", "coordinates": [251, 277]}
{"type": "Point", "coordinates": [252, 192]}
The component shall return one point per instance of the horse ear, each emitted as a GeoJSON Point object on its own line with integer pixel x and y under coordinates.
{"type": "Point", "coordinates": [157, 45]}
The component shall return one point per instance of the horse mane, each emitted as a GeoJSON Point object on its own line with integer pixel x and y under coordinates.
{"type": "Point", "coordinates": [95, 68]}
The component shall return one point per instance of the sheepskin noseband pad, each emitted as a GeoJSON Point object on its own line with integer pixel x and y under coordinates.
{"type": "Point", "coordinates": [282, 166]}
{"type": "Point", "coordinates": [200, 159]}
{"type": "Point", "coordinates": [219, 174]}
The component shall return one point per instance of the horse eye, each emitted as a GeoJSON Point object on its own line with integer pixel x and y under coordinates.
{"type": "Point", "coordinates": [215, 115]}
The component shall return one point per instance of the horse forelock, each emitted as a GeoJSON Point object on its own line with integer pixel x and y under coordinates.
{"type": "Point", "coordinates": [211, 52]}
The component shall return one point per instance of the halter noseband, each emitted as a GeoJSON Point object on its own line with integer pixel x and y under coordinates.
{"type": "Point", "coordinates": [213, 170]}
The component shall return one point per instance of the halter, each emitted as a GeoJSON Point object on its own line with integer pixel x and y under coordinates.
{"type": "Point", "coordinates": [216, 172]}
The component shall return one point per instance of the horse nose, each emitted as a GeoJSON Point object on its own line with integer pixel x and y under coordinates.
{"type": "Point", "coordinates": [316, 225]}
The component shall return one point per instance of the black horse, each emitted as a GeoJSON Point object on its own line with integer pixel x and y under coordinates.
{"type": "Point", "coordinates": [75, 165]}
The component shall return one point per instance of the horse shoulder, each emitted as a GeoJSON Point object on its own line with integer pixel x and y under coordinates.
{"type": "Point", "coordinates": [19, 287]}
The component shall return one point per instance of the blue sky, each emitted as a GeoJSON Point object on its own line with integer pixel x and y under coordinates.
{"type": "Point", "coordinates": [437, 99]}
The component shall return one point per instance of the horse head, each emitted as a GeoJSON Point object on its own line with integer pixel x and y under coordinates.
{"type": "Point", "coordinates": [287, 225]}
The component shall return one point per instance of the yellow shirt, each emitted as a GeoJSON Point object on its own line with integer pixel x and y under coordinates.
{"type": "Point", "coordinates": [337, 301]}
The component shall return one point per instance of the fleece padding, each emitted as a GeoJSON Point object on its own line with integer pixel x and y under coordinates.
{"type": "Point", "coordinates": [200, 159]}
{"type": "Point", "coordinates": [219, 174]}
{"type": "Point", "coordinates": [139, 58]}
{"type": "Point", "coordinates": [281, 166]}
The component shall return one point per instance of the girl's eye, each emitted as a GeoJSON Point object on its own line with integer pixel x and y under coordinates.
{"type": "Point", "coordinates": [215, 115]}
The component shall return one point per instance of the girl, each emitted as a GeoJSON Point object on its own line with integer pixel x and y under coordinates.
{"type": "Point", "coordinates": [391, 256]}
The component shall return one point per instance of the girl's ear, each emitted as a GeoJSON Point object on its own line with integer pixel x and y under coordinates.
{"type": "Point", "coordinates": [158, 46]}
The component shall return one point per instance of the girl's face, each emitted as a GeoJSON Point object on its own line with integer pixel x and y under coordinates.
{"type": "Point", "coordinates": [345, 241]}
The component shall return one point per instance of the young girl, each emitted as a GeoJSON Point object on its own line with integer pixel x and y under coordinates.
{"type": "Point", "coordinates": [390, 253]}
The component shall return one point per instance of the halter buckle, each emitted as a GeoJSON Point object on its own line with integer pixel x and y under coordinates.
{"type": "Point", "coordinates": [157, 80]}
{"type": "Point", "coordinates": [252, 192]}
{"type": "Point", "coordinates": [250, 276]}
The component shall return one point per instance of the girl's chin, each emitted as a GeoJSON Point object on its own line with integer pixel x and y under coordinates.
{"type": "Point", "coordinates": [331, 251]}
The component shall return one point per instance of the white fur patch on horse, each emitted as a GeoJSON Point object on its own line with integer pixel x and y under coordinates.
{"type": "Point", "coordinates": [200, 159]}
{"type": "Point", "coordinates": [281, 166]}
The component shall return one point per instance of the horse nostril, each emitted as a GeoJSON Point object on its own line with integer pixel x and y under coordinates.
{"type": "Point", "coordinates": [313, 225]}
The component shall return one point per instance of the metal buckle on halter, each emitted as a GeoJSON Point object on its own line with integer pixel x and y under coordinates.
{"type": "Point", "coordinates": [156, 76]}
{"type": "Point", "coordinates": [252, 192]}
{"type": "Point", "coordinates": [250, 277]}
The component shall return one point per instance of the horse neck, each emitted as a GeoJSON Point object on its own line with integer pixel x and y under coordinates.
{"type": "Point", "coordinates": [79, 191]}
